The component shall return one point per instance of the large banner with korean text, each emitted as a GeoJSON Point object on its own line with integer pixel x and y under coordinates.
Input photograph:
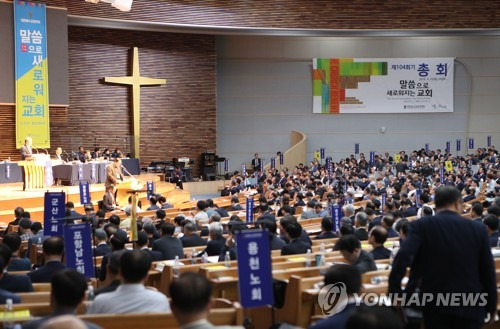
{"type": "Point", "coordinates": [382, 85]}
{"type": "Point", "coordinates": [32, 90]}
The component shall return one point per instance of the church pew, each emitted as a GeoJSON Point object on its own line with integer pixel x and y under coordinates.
{"type": "Point", "coordinates": [34, 297]}
{"type": "Point", "coordinates": [221, 316]}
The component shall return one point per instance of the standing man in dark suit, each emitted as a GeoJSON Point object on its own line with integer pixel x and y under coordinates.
{"type": "Point", "coordinates": [53, 249]}
{"type": "Point", "coordinates": [168, 245]}
{"type": "Point", "coordinates": [256, 163]}
{"type": "Point", "coordinates": [448, 254]}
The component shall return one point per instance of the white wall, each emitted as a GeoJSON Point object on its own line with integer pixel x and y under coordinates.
{"type": "Point", "coordinates": [265, 90]}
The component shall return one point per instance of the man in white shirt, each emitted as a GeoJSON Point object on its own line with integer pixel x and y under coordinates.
{"type": "Point", "coordinates": [131, 296]}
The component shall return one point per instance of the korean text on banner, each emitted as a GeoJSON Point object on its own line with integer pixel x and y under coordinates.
{"type": "Point", "coordinates": [78, 248]}
{"type": "Point", "coordinates": [32, 86]}
{"type": "Point", "coordinates": [54, 213]}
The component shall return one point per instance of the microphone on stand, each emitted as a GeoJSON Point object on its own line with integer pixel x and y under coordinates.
{"type": "Point", "coordinates": [35, 148]}
{"type": "Point", "coordinates": [128, 173]}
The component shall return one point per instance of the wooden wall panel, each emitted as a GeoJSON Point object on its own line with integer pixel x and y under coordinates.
{"type": "Point", "coordinates": [352, 14]}
{"type": "Point", "coordinates": [177, 119]}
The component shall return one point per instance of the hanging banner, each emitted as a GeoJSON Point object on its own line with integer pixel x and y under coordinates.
{"type": "Point", "coordinates": [382, 85]}
{"type": "Point", "coordinates": [54, 211]}
{"type": "Point", "coordinates": [32, 87]}
{"type": "Point", "coordinates": [255, 282]}
{"type": "Point", "coordinates": [84, 193]}
{"type": "Point", "coordinates": [78, 248]}
{"type": "Point", "coordinates": [249, 210]}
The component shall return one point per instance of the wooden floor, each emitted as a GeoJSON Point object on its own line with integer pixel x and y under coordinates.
{"type": "Point", "coordinates": [12, 196]}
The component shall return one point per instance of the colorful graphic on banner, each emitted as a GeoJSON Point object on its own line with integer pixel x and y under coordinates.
{"type": "Point", "coordinates": [84, 193]}
{"type": "Point", "coordinates": [249, 210]}
{"type": "Point", "coordinates": [317, 155]}
{"type": "Point", "coordinates": [255, 282]}
{"type": "Point", "coordinates": [78, 248]}
{"type": "Point", "coordinates": [32, 86]}
{"type": "Point", "coordinates": [448, 165]}
{"type": "Point", "coordinates": [382, 85]}
{"type": "Point", "coordinates": [54, 211]}
{"type": "Point", "coordinates": [397, 158]}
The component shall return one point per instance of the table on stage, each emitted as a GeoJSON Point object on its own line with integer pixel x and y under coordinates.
{"type": "Point", "coordinates": [94, 172]}
{"type": "Point", "coordinates": [14, 175]}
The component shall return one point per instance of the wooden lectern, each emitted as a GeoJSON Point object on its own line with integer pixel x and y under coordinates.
{"type": "Point", "coordinates": [125, 188]}
{"type": "Point", "coordinates": [34, 171]}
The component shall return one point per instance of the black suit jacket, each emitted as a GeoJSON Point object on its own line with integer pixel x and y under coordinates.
{"type": "Point", "coordinates": [365, 262]}
{"type": "Point", "coordinates": [296, 246]}
{"type": "Point", "coordinates": [214, 247]}
{"type": "Point", "coordinates": [381, 253]}
{"type": "Point", "coordinates": [277, 243]}
{"type": "Point", "coordinates": [45, 273]}
{"type": "Point", "coordinates": [16, 283]}
{"type": "Point", "coordinates": [102, 250]}
{"type": "Point", "coordinates": [326, 235]}
{"type": "Point", "coordinates": [193, 240]}
{"type": "Point", "coordinates": [448, 253]}
{"type": "Point", "coordinates": [155, 255]}
{"type": "Point", "coordinates": [361, 234]}
{"type": "Point", "coordinates": [169, 247]}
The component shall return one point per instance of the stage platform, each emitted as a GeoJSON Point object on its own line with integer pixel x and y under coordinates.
{"type": "Point", "coordinates": [12, 196]}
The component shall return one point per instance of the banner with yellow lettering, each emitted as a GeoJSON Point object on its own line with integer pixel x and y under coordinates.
{"type": "Point", "coordinates": [32, 86]}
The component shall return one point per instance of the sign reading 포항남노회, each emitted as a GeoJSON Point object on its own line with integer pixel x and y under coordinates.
{"type": "Point", "coordinates": [382, 85]}
{"type": "Point", "coordinates": [32, 87]}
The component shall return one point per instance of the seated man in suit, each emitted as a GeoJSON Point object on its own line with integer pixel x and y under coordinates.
{"type": "Point", "coordinates": [491, 223]}
{"type": "Point", "coordinates": [142, 244]}
{"type": "Point", "coordinates": [360, 222]}
{"type": "Point", "coordinates": [25, 229]}
{"type": "Point", "coordinates": [309, 210]}
{"type": "Point", "coordinates": [168, 245]}
{"type": "Point", "coordinates": [217, 240]}
{"type": "Point", "coordinates": [476, 212]}
{"type": "Point", "coordinates": [112, 272]}
{"type": "Point", "coordinates": [70, 210]}
{"type": "Point", "coordinates": [13, 241]}
{"type": "Point", "coordinates": [190, 238]}
{"type": "Point", "coordinates": [350, 248]}
{"type": "Point", "coordinates": [109, 201]}
{"type": "Point", "coordinates": [53, 249]}
{"type": "Point", "coordinates": [68, 291]}
{"type": "Point", "coordinates": [408, 209]}
{"type": "Point", "coordinates": [12, 283]}
{"type": "Point", "coordinates": [37, 231]}
{"type": "Point", "coordinates": [235, 204]}
{"type": "Point", "coordinates": [153, 204]}
{"type": "Point", "coordinates": [100, 241]}
{"type": "Point", "coordinates": [326, 229]}
{"type": "Point", "coordinates": [131, 296]}
{"type": "Point", "coordinates": [350, 275]}
{"type": "Point", "coordinates": [378, 236]}
{"type": "Point", "coordinates": [4, 294]}
{"type": "Point", "coordinates": [387, 222]}
{"type": "Point", "coordinates": [296, 245]}
{"type": "Point", "coordinates": [191, 301]}
{"type": "Point", "coordinates": [276, 243]}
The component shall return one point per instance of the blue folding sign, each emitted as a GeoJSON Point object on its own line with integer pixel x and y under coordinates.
{"type": "Point", "coordinates": [489, 141]}
{"type": "Point", "coordinates": [448, 146]}
{"type": "Point", "coordinates": [471, 143]}
{"type": "Point", "coordinates": [78, 248]}
{"type": "Point", "coordinates": [54, 212]}
{"type": "Point", "coordinates": [336, 216]}
{"type": "Point", "coordinates": [244, 170]}
{"type": "Point", "coordinates": [322, 153]}
{"type": "Point", "coordinates": [356, 148]}
{"type": "Point", "coordinates": [282, 158]}
{"type": "Point", "coordinates": [273, 164]}
{"type": "Point", "coordinates": [150, 187]}
{"type": "Point", "coordinates": [255, 280]}
{"type": "Point", "coordinates": [427, 148]}
{"type": "Point", "coordinates": [459, 142]}
{"type": "Point", "coordinates": [84, 193]}
{"type": "Point", "coordinates": [249, 210]}
{"type": "Point", "coordinates": [226, 165]}
{"type": "Point", "coordinates": [384, 199]}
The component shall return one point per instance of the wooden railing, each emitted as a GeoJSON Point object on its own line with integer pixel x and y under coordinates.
{"type": "Point", "coordinates": [297, 153]}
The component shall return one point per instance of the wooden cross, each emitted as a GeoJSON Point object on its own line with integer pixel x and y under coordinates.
{"type": "Point", "coordinates": [136, 81]}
